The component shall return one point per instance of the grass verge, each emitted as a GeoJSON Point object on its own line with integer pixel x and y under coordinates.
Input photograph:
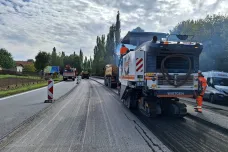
{"type": "Point", "coordinates": [2, 76]}
{"type": "Point", "coordinates": [26, 88]}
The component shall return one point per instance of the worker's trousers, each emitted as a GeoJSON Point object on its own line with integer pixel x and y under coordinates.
{"type": "Point", "coordinates": [199, 100]}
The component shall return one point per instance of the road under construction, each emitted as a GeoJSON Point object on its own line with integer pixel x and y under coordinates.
{"type": "Point", "coordinates": [93, 118]}
{"type": "Point", "coordinates": [132, 111]}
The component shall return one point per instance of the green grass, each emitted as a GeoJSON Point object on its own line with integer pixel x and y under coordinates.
{"type": "Point", "coordinates": [16, 76]}
{"type": "Point", "coordinates": [26, 88]}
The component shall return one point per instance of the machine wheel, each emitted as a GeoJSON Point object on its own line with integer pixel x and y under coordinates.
{"type": "Point", "coordinates": [105, 82]}
{"type": "Point", "coordinates": [128, 102]}
{"type": "Point", "coordinates": [109, 82]}
{"type": "Point", "coordinates": [212, 98]}
{"type": "Point", "coordinates": [113, 85]}
{"type": "Point", "coordinates": [147, 108]}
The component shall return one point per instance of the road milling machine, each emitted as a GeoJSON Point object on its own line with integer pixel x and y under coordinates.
{"type": "Point", "coordinates": [157, 72]}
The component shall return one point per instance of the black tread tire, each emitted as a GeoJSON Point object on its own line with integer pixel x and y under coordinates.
{"type": "Point", "coordinates": [211, 98]}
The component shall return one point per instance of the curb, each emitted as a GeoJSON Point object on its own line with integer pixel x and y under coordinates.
{"type": "Point", "coordinates": [5, 138]}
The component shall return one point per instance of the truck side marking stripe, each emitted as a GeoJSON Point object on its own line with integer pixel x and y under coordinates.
{"type": "Point", "coordinates": [139, 61]}
{"type": "Point", "coordinates": [139, 67]}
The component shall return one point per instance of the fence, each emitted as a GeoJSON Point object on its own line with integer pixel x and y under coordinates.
{"type": "Point", "coordinates": [12, 79]}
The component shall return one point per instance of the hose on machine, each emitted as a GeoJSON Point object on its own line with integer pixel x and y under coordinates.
{"type": "Point", "coordinates": [167, 76]}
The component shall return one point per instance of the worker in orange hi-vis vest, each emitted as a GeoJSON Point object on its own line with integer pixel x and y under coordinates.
{"type": "Point", "coordinates": [123, 50]}
{"type": "Point", "coordinates": [202, 85]}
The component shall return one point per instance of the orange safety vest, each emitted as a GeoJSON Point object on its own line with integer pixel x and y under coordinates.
{"type": "Point", "coordinates": [203, 83]}
{"type": "Point", "coordinates": [123, 50]}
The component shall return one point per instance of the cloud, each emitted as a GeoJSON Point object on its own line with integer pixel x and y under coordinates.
{"type": "Point", "coordinates": [27, 26]}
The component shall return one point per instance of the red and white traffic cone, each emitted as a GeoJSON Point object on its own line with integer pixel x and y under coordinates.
{"type": "Point", "coordinates": [50, 91]}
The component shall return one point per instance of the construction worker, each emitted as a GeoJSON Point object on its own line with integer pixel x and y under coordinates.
{"type": "Point", "coordinates": [123, 50]}
{"type": "Point", "coordinates": [202, 85]}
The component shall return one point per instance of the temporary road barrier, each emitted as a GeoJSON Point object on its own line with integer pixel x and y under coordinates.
{"type": "Point", "coordinates": [50, 91]}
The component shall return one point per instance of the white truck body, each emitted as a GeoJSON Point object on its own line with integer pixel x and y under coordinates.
{"type": "Point", "coordinates": [133, 70]}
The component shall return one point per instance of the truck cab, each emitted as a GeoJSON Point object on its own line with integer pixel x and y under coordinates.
{"type": "Point", "coordinates": [217, 89]}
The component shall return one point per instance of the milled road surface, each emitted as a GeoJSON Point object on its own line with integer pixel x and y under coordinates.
{"type": "Point", "coordinates": [187, 134]}
{"type": "Point", "coordinates": [15, 109]}
{"type": "Point", "coordinates": [90, 119]}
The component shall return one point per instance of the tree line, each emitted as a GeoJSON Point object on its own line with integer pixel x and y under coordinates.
{"type": "Point", "coordinates": [60, 59]}
{"type": "Point", "coordinates": [44, 59]}
{"type": "Point", "coordinates": [104, 50]}
{"type": "Point", "coordinates": [212, 31]}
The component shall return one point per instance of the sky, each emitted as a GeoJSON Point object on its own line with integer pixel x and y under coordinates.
{"type": "Point", "coordinates": [28, 26]}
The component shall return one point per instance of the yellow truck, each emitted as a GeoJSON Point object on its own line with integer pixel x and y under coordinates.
{"type": "Point", "coordinates": [111, 76]}
{"type": "Point", "coordinates": [85, 74]}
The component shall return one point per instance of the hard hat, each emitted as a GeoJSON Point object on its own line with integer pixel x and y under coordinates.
{"type": "Point", "coordinates": [199, 72]}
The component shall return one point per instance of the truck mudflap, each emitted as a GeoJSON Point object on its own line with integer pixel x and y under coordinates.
{"type": "Point", "coordinates": [175, 93]}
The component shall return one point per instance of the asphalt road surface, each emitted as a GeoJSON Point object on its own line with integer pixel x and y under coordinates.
{"type": "Point", "coordinates": [187, 134]}
{"type": "Point", "coordinates": [90, 119]}
{"type": "Point", "coordinates": [15, 109]}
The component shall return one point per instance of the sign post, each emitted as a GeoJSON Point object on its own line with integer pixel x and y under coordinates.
{"type": "Point", "coordinates": [50, 91]}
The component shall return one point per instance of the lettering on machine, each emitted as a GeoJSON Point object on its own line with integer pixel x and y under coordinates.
{"type": "Point", "coordinates": [175, 93]}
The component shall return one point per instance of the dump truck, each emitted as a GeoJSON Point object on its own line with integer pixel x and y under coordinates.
{"type": "Point", "coordinates": [111, 75]}
{"type": "Point", "coordinates": [156, 73]}
{"type": "Point", "coordinates": [69, 73]}
{"type": "Point", "coordinates": [85, 74]}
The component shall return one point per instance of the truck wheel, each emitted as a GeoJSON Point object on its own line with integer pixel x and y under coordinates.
{"type": "Point", "coordinates": [128, 102]}
{"type": "Point", "coordinates": [109, 83]}
{"type": "Point", "coordinates": [211, 98]}
{"type": "Point", "coordinates": [105, 82]}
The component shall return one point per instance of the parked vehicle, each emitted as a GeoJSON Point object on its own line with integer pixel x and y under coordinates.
{"type": "Point", "coordinates": [217, 89]}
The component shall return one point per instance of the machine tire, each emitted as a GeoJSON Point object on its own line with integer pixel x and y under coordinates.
{"type": "Point", "coordinates": [211, 98]}
{"type": "Point", "coordinates": [109, 82]}
{"type": "Point", "coordinates": [128, 103]}
{"type": "Point", "coordinates": [114, 85]}
{"type": "Point", "coordinates": [105, 82]}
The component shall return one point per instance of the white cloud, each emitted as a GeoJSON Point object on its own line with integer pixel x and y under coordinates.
{"type": "Point", "coordinates": [27, 26]}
